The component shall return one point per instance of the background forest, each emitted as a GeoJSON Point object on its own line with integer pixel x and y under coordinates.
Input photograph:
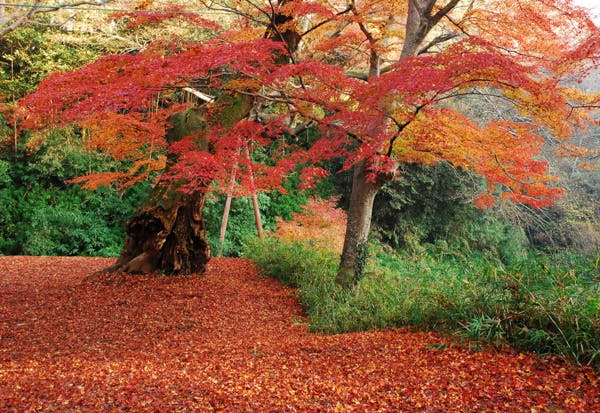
{"type": "Point", "coordinates": [508, 273]}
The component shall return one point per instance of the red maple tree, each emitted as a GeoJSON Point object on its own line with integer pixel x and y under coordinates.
{"type": "Point", "coordinates": [379, 79]}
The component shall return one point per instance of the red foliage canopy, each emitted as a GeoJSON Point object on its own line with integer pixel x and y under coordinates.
{"type": "Point", "coordinates": [410, 111]}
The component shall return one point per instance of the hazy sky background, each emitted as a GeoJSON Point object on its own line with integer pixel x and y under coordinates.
{"type": "Point", "coordinates": [591, 4]}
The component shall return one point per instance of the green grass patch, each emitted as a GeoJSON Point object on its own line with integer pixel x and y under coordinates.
{"type": "Point", "coordinates": [543, 303]}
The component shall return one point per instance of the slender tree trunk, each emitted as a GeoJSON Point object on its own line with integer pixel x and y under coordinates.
{"type": "Point", "coordinates": [421, 18]}
{"type": "Point", "coordinates": [225, 217]}
{"type": "Point", "coordinates": [354, 253]}
{"type": "Point", "coordinates": [224, 221]}
{"type": "Point", "coordinates": [360, 212]}
{"type": "Point", "coordinates": [257, 219]}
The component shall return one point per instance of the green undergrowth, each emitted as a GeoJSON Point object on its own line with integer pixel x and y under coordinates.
{"type": "Point", "coordinates": [547, 303]}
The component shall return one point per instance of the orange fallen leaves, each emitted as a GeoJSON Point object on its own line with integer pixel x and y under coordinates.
{"type": "Point", "coordinates": [320, 223]}
{"type": "Point", "coordinates": [233, 341]}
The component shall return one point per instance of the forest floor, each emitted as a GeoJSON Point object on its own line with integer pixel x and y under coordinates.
{"type": "Point", "coordinates": [235, 341]}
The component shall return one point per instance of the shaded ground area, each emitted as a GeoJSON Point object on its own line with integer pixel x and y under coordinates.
{"type": "Point", "coordinates": [233, 341]}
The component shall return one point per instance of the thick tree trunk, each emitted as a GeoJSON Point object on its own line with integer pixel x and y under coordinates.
{"type": "Point", "coordinates": [166, 235]}
{"type": "Point", "coordinates": [355, 250]}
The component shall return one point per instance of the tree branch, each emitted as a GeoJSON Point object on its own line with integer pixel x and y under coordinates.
{"type": "Point", "coordinates": [419, 23]}
{"type": "Point", "coordinates": [19, 20]}
{"type": "Point", "coordinates": [316, 26]}
{"type": "Point", "coordinates": [443, 12]}
{"type": "Point", "coordinates": [199, 95]}
{"type": "Point", "coordinates": [442, 38]}
{"type": "Point", "coordinates": [374, 60]}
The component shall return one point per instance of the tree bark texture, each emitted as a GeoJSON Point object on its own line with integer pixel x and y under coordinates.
{"type": "Point", "coordinates": [355, 249]}
{"type": "Point", "coordinates": [166, 235]}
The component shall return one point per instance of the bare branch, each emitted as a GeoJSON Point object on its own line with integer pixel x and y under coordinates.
{"type": "Point", "coordinates": [443, 12]}
{"type": "Point", "coordinates": [11, 22]}
{"type": "Point", "coordinates": [199, 95]}
{"type": "Point", "coordinates": [374, 59]}
{"type": "Point", "coordinates": [365, 76]}
{"type": "Point", "coordinates": [316, 26]}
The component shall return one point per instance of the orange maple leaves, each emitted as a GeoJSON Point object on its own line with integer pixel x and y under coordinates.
{"type": "Point", "coordinates": [515, 54]}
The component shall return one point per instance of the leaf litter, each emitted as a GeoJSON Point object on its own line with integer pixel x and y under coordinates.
{"type": "Point", "coordinates": [233, 341]}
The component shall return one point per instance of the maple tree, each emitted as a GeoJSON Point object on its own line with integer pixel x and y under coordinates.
{"type": "Point", "coordinates": [378, 80]}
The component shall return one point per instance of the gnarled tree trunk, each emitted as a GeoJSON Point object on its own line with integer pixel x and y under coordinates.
{"type": "Point", "coordinates": [167, 233]}
{"type": "Point", "coordinates": [167, 236]}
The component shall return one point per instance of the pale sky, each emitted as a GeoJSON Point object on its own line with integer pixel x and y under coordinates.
{"type": "Point", "coordinates": [594, 5]}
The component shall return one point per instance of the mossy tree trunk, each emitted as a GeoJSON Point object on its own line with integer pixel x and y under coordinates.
{"type": "Point", "coordinates": [167, 234]}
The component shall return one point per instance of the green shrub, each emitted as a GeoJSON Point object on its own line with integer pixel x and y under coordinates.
{"type": "Point", "coordinates": [241, 226]}
{"type": "Point", "coordinates": [41, 215]}
{"type": "Point", "coordinates": [309, 269]}
{"type": "Point", "coordinates": [548, 304]}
